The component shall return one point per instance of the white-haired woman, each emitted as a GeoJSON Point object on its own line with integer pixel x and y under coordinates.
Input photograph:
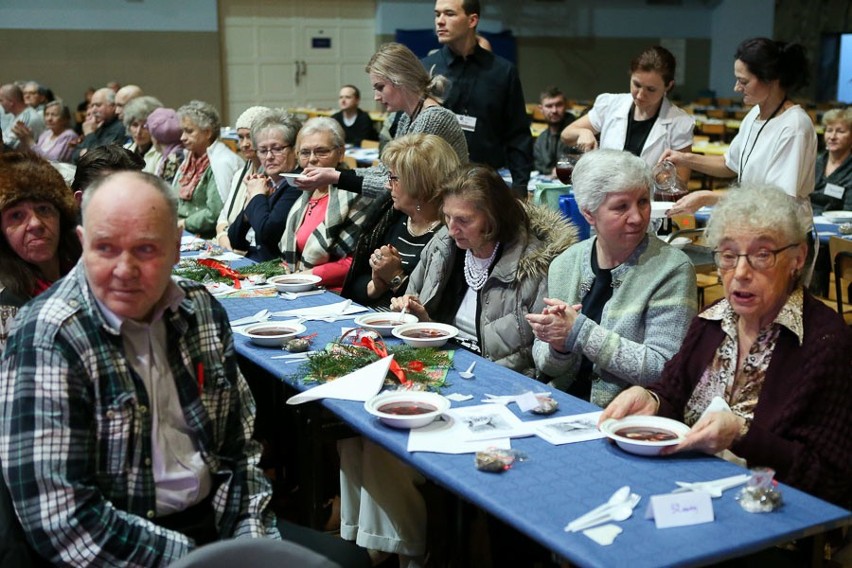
{"type": "Point", "coordinates": [620, 302]}
{"type": "Point", "coordinates": [205, 175]}
{"type": "Point", "coordinates": [775, 355]}
{"type": "Point", "coordinates": [400, 83]}
{"type": "Point", "coordinates": [268, 197]}
{"type": "Point", "coordinates": [135, 120]}
{"type": "Point", "coordinates": [323, 225]}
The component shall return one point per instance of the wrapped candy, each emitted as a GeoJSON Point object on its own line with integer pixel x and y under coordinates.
{"type": "Point", "coordinates": [761, 494]}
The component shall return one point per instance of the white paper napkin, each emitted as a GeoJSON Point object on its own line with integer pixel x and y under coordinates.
{"type": "Point", "coordinates": [445, 436]}
{"type": "Point", "coordinates": [336, 309]}
{"type": "Point", "coordinates": [360, 385]}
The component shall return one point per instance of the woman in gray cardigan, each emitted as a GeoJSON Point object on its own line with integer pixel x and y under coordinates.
{"type": "Point", "coordinates": [619, 303]}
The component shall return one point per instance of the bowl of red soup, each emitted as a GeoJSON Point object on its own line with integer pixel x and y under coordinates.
{"type": "Point", "coordinates": [425, 334]}
{"type": "Point", "coordinates": [644, 435]}
{"type": "Point", "coordinates": [295, 282]}
{"type": "Point", "coordinates": [407, 409]}
{"type": "Point", "coordinates": [273, 334]}
{"type": "Point", "coordinates": [384, 322]}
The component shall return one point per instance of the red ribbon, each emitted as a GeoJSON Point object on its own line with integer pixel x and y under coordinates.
{"type": "Point", "coordinates": [223, 270]}
{"type": "Point", "coordinates": [382, 352]}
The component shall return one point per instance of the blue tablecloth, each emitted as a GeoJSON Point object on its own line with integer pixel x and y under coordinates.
{"type": "Point", "coordinates": [558, 483]}
{"type": "Point", "coordinates": [825, 228]}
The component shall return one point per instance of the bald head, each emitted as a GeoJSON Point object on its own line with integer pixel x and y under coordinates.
{"type": "Point", "coordinates": [12, 99]}
{"type": "Point", "coordinates": [124, 95]}
{"type": "Point", "coordinates": [130, 242]}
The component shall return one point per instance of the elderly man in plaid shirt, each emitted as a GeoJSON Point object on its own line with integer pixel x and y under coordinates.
{"type": "Point", "coordinates": [125, 426]}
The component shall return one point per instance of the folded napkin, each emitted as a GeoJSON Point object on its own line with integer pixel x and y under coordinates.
{"type": "Point", "coordinates": [344, 308]}
{"type": "Point", "coordinates": [360, 385]}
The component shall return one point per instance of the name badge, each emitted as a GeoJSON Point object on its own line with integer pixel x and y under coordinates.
{"type": "Point", "coordinates": [834, 190]}
{"type": "Point", "coordinates": [467, 123]}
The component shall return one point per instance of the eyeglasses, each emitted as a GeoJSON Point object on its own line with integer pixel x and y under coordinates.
{"type": "Point", "coordinates": [276, 152]}
{"type": "Point", "coordinates": [392, 179]}
{"type": "Point", "coordinates": [763, 259]}
{"type": "Point", "coordinates": [318, 152]}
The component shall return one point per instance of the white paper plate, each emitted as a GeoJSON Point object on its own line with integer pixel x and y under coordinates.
{"type": "Point", "coordinates": [294, 282]}
{"type": "Point", "coordinates": [838, 216]}
{"type": "Point", "coordinates": [615, 430]}
{"type": "Point", "coordinates": [384, 322]}
{"type": "Point", "coordinates": [273, 334]}
{"type": "Point", "coordinates": [433, 404]}
{"type": "Point", "coordinates": [405, 332]}
{"type": "Point", "coordinates": [294, 176]}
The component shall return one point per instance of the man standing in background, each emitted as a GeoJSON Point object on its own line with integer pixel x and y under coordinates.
{"type": "Point", "coordinates": [485, 92]}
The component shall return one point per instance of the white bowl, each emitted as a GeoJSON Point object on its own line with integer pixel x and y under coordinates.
{"type": "Point", "coordinates": [680, 242]}
{"type": "Point", "coordinates": [384, 322]}
{"type": "Point", "coordinates": [615, 430]}
{"type": "Point", "coordinates": [838, 216]}
{"type": "Point", "coordinates": [417, 334]}
{"type": "Point", "coordinates": [273, 334]}
{"type": "Point", "coordinates": [430, 404]}
{"type": "Point", "coordinates": [295, 282]}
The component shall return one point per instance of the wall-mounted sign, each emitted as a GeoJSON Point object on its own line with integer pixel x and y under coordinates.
{"type": "Point", "coordinates": [321, 42]}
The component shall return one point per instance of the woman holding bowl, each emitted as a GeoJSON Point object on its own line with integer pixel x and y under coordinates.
{"type": "Point", "coordinates": [402, 221]}
{"type": "Point", "coordinates": [323, 225]}
{"type": "Point", "coordinates": [643, 122]}
{"type": "Point", "coordinates": [268, 196]}
{"type": "Point", "coordinates": [778, 358]}
{"type": "Point", "coordinates": [487, 268]}
{"type": "Point", "coordinates": [38, 239]}
{"type": "Point", "coordinates": [205, 175]}
{"type": "Point", "coordinates": [401, 84]}
{"type": "Point", "coordinates": [620, 302]}
{"type": "Point", "coordinates": [776, 143]}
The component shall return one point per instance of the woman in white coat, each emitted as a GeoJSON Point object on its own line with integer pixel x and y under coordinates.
{"type": "Point", "coordinates": [643, 122]}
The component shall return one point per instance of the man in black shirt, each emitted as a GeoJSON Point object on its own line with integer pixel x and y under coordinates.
{"type": "Point", "coordinates": [548, 146]}
{"type": "Point", "coordinates": [485, 93]}
{"type": "Point", "coordinates": [356, 123]}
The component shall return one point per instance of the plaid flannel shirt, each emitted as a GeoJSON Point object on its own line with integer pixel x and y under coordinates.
{"type": "Point", "coordinates": [75, 430]}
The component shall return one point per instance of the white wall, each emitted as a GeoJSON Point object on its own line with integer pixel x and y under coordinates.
{"type": "Point", "coordinates": [138, 15]}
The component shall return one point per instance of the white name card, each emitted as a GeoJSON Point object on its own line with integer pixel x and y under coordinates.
{"type": "Point", "coordinates": [680, 509]}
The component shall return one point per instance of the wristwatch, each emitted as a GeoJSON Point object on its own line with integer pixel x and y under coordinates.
{"type": "Point", "coordinates": [396, 281]}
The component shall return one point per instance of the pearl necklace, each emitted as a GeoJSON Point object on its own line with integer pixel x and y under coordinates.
{"type": "Point", "coordinates": [473, 274]}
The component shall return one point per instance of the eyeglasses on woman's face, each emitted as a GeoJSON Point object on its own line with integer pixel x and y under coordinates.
{"type": "Point", "coordinates": [275, 151]}
{"type": "Point", "coordinates": [763, 259]}
{"type": "Point", "coordinates": [320, 153]}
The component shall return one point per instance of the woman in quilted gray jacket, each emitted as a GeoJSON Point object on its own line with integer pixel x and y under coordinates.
{"type": "Point", "coordinates": [487, 268]}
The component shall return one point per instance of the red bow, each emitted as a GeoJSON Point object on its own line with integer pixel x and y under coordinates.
{"type": "Point", "coordinates": [383, 352]}
{"type": "Point", "coordinates": [223, 270]}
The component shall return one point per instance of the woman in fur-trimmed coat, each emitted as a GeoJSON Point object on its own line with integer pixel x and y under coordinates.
{"type": "Point", "coordinates": [525, 239]}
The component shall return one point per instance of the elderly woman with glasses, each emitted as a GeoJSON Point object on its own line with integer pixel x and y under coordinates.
{"type": "Point", "coordinates": [324, 224]}
{"type": "Point", "coordinates": [620, 302]}
{"type": "Point", "coordinates": [268, 195]}
{"type": "Point", "coordinates": [763, 373]}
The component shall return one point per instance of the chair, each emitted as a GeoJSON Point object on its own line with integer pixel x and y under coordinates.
{"type": "Point", "coordinates": [840, 252]}
{"type": "Point", "coordinates": [548, 194]}
{"type": "Point", "coordinates": [369, 143]}
{"type": "Point", "coordinates": [702, 259]}
{"type": "Point", "coordinates": [350, 161]}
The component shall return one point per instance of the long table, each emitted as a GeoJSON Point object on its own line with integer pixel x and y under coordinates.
{"type": "Point", "coordinates": [825, 229]}
{"type": "Point", "coordinates": [558, 483]}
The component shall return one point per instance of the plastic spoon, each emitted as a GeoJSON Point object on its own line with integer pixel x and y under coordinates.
{"type": "Point", "coordinates": [617, 513]}
{"type": "Point", "coordinates": [620, 496]}
{"type": "Point", "coordinates": [402, 313]}
{"type": "Point", "coordinates": [468, 373]}
{"type": "Point", "coordinates": [260, 316]}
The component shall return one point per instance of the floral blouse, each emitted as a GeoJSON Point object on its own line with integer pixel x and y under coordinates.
{"type": "Point", "coordinates": [741, 388]}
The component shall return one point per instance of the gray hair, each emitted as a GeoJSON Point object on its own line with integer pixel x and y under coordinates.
{"type": "Point", "coordinates": [203, 115]}
{"type": "Point", "coordinates": [755, 207]}
{"type": "Point", "coordinates": [843, 115]}
{"type": "Point", "coordinates": [64, 112]}
{"type": "Point", "coordinates": [400, 66]}
{"type": "Point", "coordinates": [277, 120]}
{"type": "Point", "coordinates": [108, 94]}
{"type": "Point", "coordinates": [604, 171]}
{"type": "Point", "coordinates": [163, 188]}
{"type": "Point", "coordinates": [138, 109]}
{"type": "Point", "coordinates": [323, 124]}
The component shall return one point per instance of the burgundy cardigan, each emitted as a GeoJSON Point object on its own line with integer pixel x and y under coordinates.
{"type": "Point", "coordinates": [802, 425]}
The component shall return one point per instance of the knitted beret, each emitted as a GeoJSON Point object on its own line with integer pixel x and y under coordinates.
{"type": "Point", "coordinates": [249, 115]}
{"type": "Point", "coordinates": [29, 177]}
{"type": "Point", "coordinates": [164, 126]}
